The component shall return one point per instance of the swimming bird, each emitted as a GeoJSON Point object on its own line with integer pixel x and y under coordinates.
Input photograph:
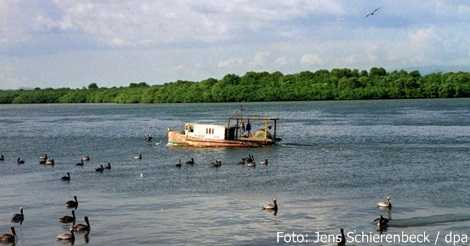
{"type": "Point", "coordinates": [251, 164]}
{"type": "Point", "coordinates": [66, 177]}
{"type": "Point", "coordinates": [271, 206]}
{"type": "Point", "coordinates": [81, 163]}
{"type": "Point", "coordinates": [72, 203]}
{"type": "Point", "coordinates": [68, 219]}
{"type": "Point", "coordinates": [19, 161]}
{"type": "Point", "coordinates": [138, 157]}
{"type": "Point", "coordinates": [382, 223]}
{"type": "Point", "coordinates": [190, 162]}
{"type": "Point", "coordinates": [18, 218]}
{"type": "Point", "coordinates": [43, 159]}
{"type": "Point", "coordinates": [373, 12]}
{"type": "Point", "coordinates": [217, 163]}
{"type": "Point", "coordinates": [100, 169]}
{"type": "Point", "coordinates": [2, 157]}
{"type": "Point", "coordinates": [385, 203]}
{"type": "Point", "coordinates": [108, 166]}
{"type": "Point", "coordinates": [50, 162]}
{"type": "Point", "coordinates": [9, 237]}
{"type": "Point", "coordinates": [342, 241]}
{"type": "Point", "coordinates": [67, 236]}
{"type": "Point", "coordinates": [85, 158]}
{"type": "Point", "coordinates": [179, 163]}
{"type": "Point", "coordinates": [82, 227]}
{"type": "Point", "coordinates": [242, 161]}
{"type": "Point", "coordinates": [265, 162]}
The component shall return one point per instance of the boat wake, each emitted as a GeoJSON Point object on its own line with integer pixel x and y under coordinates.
{"type": "Point", "coordinates": [429, 220]}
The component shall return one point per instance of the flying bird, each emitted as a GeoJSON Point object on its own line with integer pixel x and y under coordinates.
{"type": "Point", "coordinates": [373, 12]}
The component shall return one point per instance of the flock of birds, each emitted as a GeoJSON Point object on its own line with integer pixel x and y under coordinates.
{"type": "Point", "coordinates": [247, 161]}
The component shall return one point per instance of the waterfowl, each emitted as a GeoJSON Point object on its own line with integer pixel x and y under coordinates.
{"type": "Point", "coordinates": [251, 164]}
{"type": "Point", "coordinates": [2, 157]}
{"type": "Point", "coordinates": [217, 163]}
{"type": "Point", "coordinates": [9, 237]}
{"type": "Point", "coordinates": [385, 203]}
{"type": "Point", "coordinates": [382, 223]}
{"type": "Point", "coordinates": [66, 177]}
{"type": "Point", "coordinates": [43, 159]}
{"type": "Point", "coordinates": [68, 219]}
{"type": "Point", "coordinates": [342, 241]}
{"type": "Point", "coordinates": [67, 236]}
{"type": "Point", "coordinates": [138, 157]}
{"type": "Point", "coordinates": [242, 161]}
{"type": "Point", "coordinates": [179, 163]}
{"type": "Point", "coordinates": [19, 161]}
{"type": "Point", "coordinates": [50, 162]}
{"type": "Point", "coordinates": [81, 163]}
{"type": "Point", "coordinates": [108, 166]}
{"type": "Point", "coordinates": [85, 158]}
{"type": "Point", "coordinates": [265, 162]}
{"type": "Point", "coordinates": [271, 206]}
{"type": "Point", "coordinates": [72, 203]}
{"type": "Point", "coordinates": [82, 227]}
{"type": "Point", "coordinates": [190, 162]}
{"type": "Point", "coordinates": [18, 218]}
{"type": "Point", "coordinates": [100, 169]}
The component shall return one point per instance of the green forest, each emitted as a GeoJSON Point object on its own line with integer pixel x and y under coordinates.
{"type": "Point", "coordinates": [335, 84]}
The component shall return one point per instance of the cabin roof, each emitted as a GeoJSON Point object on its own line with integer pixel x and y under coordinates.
{"type": "Point", "coordinates": [251, 117]}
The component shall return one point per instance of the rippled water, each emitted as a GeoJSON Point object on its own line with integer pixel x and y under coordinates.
{"type": "Point", "coordinates": [336, 160]}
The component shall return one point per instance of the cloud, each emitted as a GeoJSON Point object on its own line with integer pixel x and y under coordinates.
{"type": "Point", "coordinates": [310, 59]}
{"type": "Point", "coordinates": [230, 63]}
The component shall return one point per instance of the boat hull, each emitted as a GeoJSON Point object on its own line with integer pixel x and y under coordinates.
{"type": "Point", "coordinates": [179, 139]}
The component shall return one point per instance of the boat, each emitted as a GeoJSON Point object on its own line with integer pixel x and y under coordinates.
{"type": "Point", "coordinates": [236, 133]}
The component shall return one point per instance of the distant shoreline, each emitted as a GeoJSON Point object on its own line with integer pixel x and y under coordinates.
{"type": "Point", "coordinates": [321, 85]}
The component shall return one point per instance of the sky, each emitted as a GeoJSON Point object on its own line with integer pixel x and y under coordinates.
{"type": "Point", "coordinates": [70, 43]}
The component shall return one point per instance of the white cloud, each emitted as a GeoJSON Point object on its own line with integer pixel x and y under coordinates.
{"type": "Point", "coordinates": [310, 59]}
{"type": "Point", "coordinates": [230, 63]}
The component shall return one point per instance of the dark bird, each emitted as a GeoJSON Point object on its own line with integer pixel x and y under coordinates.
{"type": "Point", "coordinates": [68, 219]}
{"type": "Point", "coordinates": [373, 12]}
{"type": "Point", "coordinates": [9, 237]}
{"type": "Point", "coordinates": [179, 163]}
{"type": "Point", "coordinates": [43, 159]}
{"type": "Point", "coordinates": [382, 223]}
{"type": "Point", "coordinates": [66, 177]}
{"type": "Point", "coordinates": [67, 236]}
{"type": "Point", "coordinates": [342, 241]}
{"type": "Point", "coordinates": [82, 227]}
{"type": "Point", "coordinates": [265, 162]}
{"type": "Point", "coordinates": [50, 162]}
{"type": "Point", "coordinates": [18, 218]}
{"type": "Point", "coordinates": [190, 162]}
{"type": "Point", "coordinates": [72, 203]}
{"type": "Point", "coordinates": [2, 157]}
{"type": "Point", "coordinates": [81, 163]}
{"type": "Point", "coordinates": [217, 163]}
{"type": "Point", "coordinates": [108, 166]}
{"type": "Point", "coordinates": [100, 169]}
{"type": "Point", "coordinates": [19, 161]}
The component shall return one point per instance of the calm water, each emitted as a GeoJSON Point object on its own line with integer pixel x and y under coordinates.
{"type": "Point", "coordinates": [337, 159]}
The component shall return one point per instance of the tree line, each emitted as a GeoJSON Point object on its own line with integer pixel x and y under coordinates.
{"type": "Point", "coordinates": [335, 84]}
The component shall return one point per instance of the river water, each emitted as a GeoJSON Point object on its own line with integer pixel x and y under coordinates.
{"type": "Point", "coordinates": [336, 160]}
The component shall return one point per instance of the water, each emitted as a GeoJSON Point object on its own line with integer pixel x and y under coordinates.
{"type": "Point", "coordinates": [336, 160]}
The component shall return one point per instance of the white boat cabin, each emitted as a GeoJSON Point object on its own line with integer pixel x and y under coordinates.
{"type": "Point", "coordinates": [204, 131]}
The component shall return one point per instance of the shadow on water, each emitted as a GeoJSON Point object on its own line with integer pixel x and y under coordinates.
{"type": "Point", "coordinates": [429, 220]}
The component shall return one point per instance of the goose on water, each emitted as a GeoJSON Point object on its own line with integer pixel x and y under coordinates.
{"type": "Point", "coordinates": [271, 206]}
{"type": "Point", "coordinates": [72, 203]}
{"type": "Point", "coordinates": [108, 166]}
{"type": "Point", "coordinates": [100, 169]}
{"type": "Point", "coordinates": [66, 177]}
{"type": "Point", "coordinates": [179, 163]}
{"type": "Point", "coordinates": [82, 227]}
{"type": "Point", "coordinates": [2, 157]}
{"type": "Point", "coordinates": [68, 219]}
{"type": "Point", "coordinates": [19, 161]}
{"type": "Point", "coordinates": [138, 157]}
{"type": "Point", "coordinates": [9, 237]}
{"type": "Point", "coordinates": [18, 218]}
{"type": "Point", "coordinates": [190, 162]}
{"type": "Point", "coordinates": [67, 236]}
{"type": "Point", "coordinates": [382, 223]}
{"type": "Point", "coordinates": [81, 163]}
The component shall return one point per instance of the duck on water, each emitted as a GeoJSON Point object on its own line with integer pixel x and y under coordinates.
{"type": "Point", "coordinates": [82, 227]}
{"type": "Point", "coordinates": [386, 203]}
{"type": "Point", "coordinates": [72, 203]}
{"type": "Point", "coordinates": [67, 219]}
{"type": "Point", "coordinates": [9, 237]}
{"type": "Point", "coordinates": [18, 218]}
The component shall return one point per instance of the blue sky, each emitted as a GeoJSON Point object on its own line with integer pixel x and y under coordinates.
{"type": "Point", "coordinates": [69, 43]}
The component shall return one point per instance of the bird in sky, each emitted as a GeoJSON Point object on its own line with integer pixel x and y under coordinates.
{"type": "Point", "coordinates": [373, 12]}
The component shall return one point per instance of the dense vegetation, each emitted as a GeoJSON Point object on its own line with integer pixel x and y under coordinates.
{"type": "Point", "coordinates": [263, 86]}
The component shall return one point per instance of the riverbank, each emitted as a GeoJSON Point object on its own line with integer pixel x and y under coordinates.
{"type": "Point", "coordinates": [336, 84]}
